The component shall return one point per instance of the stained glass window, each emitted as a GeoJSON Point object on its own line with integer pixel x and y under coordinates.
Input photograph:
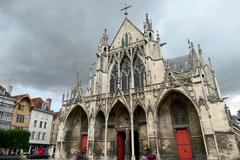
{"type": "Point", "coordinates": [139, 72]}
{"type": "Point", "coordinates": [114, 79]}
{"type": "Point", "coordinates": [126, 39]}
{"type": "Point", "coordinates": [125, 73]}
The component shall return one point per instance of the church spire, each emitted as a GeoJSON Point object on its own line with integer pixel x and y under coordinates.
{"type": "Point", "coordinates": [104, 39]}
{"type": "Point", "coordinates": [193, 56]}
{"type": "Point", "coordinates": [201, 56]}
{"type": "Point", "coordinates": [147, 24]}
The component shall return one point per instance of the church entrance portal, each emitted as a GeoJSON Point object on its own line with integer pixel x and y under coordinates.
{"type": "Point", "coordinates": [118, 130]}
{"type": "Point", "coordinates": [182, 135]}
{"type": "Point", "coordinates": [183, 144]}
{"type": "Point", "coordinates": [75, 132]}
{"type": "Point", "coordinates": [120, 145]}
{"type": "Point", "coordinates": [84, 142]}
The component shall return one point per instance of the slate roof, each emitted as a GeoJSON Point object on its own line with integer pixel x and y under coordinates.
{"type": "Point", "coordinates": [180, 64]}
{"type": "Point", "coordinates": [37, 104]}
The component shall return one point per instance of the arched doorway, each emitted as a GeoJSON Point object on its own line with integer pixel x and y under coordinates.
{"type": "Point", "coordinates": [76, 130]}
{"type": "Point", "coordinates": [179, 130]}
{"type": "Point", "coordinates": [99, 135]}
{"type": "Point", "coordinates": [119, 126]}
{"type": "Point", "coordinates": [140, 131]}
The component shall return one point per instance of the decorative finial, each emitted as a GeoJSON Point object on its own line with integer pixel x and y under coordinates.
{"type": "Point", "coordinates": [192, 44]}
{"type": "Point", "coordinates": [199, 49]}
{"type": "Point", "coordinates": [189, 43]}
{"type": "Point", "coordinates": [125, 9]}
{"type": "Point", "coordinates": [210, 63]}
{"type": "Point", "coordinates": [104, 39]}
{"type": "Point", "coordinates": [158, 36]}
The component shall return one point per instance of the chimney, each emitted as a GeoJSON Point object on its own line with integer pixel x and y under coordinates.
{"type": "Point", "coordinates": [10, 87]}
{"type": "Point", "coordinates": [9, 90]}
{"type": "Point", "coordinates": [49, 103]}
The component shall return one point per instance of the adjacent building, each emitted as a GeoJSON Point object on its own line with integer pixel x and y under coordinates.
{"type": "Point", "coordinates": [136, 99]}
{"type": "Point", "coordinates": [40, 126]}
{"type": "Point", "coordinates": [7, 105]}
{"type": "Point", "coordinates": [22, 112]}
{"type": "Point", "coordinates": [54, 133]}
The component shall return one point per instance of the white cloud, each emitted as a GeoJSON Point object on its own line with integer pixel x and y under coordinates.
{"type": "Point", "coordinates": [234, 103]}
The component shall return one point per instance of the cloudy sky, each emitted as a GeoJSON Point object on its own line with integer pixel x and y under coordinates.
{"type": "Point", "coordinates": [44, 43]}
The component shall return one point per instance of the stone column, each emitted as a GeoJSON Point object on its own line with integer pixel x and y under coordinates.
{"type": "Point", "coordinates": [105, 140]}
{"type": "Point", "coordinates": [90, 139]}
{"type": "Point", "coordinates": [127, 146]}
{"type": "Point", "coordinates": [152, 133]}
{"type": "Point", "coordinates": [132, 137]}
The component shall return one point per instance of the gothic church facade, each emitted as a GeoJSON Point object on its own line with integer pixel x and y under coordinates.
{"type": "Point", "coordinates": [136, 98]}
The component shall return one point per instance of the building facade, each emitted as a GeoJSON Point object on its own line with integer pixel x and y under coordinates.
{"type": "Point", "coordinates": [138, 99]}
{"type": "Point", "coordinates": [40, 127]}
{"type": "Point", "coordinates": [7, 105]}
{"type": "Point", "coordinates": [54, 132]}
{"type": "Point", "coordinates": [22, 112]}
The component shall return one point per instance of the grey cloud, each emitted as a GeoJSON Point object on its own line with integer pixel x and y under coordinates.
{"type": "Point", "coordinates": [44, 43]}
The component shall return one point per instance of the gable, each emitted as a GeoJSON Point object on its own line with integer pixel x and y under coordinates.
{"type": "Point", "coordinates": [127, 27]}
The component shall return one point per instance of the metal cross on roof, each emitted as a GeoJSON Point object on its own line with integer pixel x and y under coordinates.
{"type": "Point", "coordinates": [125, 9]}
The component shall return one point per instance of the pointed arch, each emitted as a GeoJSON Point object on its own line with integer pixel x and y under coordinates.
{"type": "Point", "coordinates": [99, 134]}
{"type": "Point", "coordinates": [114, 78]}
{"type": "Point", "coordinates": [139, 72]}
{"type": "Point", "coordinates": [118, 102]}
{"type": "Point", "coordinates": [118, 121]}
{"type": "Point", "coordinates": [75, 131]}
{"type": "Point", "coordinates": [140, 130]}
{"type": "Point", "coordinates": [177, 113]}
{"type": "Point", "coordinates": [125, 67]}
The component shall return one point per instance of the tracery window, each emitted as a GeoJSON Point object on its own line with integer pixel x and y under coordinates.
{"type": "Point", "coordinates": [139, 72]}
{"type": "Point", "coordinates": [126, 39]}
{"type": "Point", "coordinates": [114, 79]}
{"type": "Point", "coordinates": [125, 73]}
{"type": "Point", "coordinates": [179, 114]}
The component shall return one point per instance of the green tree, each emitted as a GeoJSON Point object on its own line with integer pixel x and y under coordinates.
{"type": "Point", "coordinates": [4, 139]}
{"type": "Point", "coordinates": [14, 138]}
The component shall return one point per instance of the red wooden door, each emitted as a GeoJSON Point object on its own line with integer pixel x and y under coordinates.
{"type": "Point", "coordinates": [120, 146]}
{"type": "Point", "coordinates": [183, 144]}
{"type": "Point", "coordinates": [84, 142]}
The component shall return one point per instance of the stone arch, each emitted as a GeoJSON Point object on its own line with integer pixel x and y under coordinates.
{"type": "Point", "coordinates": [140, 130]}
{"type": "Point", "coordinates": [115, 103]}
{"type": "Point", "coordinates": [100, 110]}
{"type": "Point", "coordinates": [75, 131]}
{"type": "Point", "coordinates": [118, 124]}
{"type": "Point", "coordinates": [123, 54]}
{"type": "Point", "coordinates": [166, 93]}
{"type": "Point", "coordinates": [177, 113]}
{"type": "Point", "coordinates": [99, 134]}
{"type": "Point", "coordinates": [139, 103]}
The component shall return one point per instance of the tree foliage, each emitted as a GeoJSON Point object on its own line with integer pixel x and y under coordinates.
{"type": "Point", "coordinates": [14, 138]}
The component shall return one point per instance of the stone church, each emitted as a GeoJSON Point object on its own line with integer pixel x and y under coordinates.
{"type": "Point", "coordinates": [138, 99]}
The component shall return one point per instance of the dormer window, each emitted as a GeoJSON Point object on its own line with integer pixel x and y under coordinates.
{"type": "Point", "coordinates": [44, 106]}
